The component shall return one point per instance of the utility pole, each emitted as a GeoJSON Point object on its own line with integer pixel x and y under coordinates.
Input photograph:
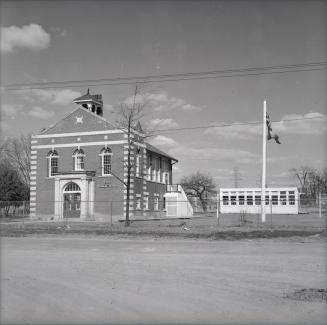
{"type": "Point", "coordinates": [264, 149]}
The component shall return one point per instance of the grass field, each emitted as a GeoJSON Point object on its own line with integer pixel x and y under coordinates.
{"type": "Point", "coordinates": [229, 227]}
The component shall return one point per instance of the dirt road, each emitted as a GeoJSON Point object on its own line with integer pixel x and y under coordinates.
{"type": "Point", "coordinates": [79, 280]}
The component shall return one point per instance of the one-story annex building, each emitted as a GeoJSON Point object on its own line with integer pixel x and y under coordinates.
{"type": "Point", "coordinates": [78, 164]}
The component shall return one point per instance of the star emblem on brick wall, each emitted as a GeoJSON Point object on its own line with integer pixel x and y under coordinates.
{"type": "Point", "coordinates": [79, 119]}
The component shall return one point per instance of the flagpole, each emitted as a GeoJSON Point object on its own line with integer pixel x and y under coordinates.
{"type": "Point", "coordinates": [263, 178]}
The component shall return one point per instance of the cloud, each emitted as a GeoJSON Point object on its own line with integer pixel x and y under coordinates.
{"type": "Point", "coordinates": [41, 113]}
{"type": "Point", "coordinates": [165, 123]}
{"type": "Point", "coordinates": [50, 96]}
{"type": "Point", "coordinates": [161, 140]}
{"type": "Point", "coordinates": [32, 37]}
{"type": "Point", "coordinates": [162, 102]}
{"type": "Point", "coordinates": [307, 124]}
{"type": "Point", "coordinates": [312, 123]}
{"type": "Point", "coordinates": [10, 110]}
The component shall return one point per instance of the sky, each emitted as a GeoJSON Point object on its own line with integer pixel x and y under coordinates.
{"type": "Point", "coordinates": [46, 41]}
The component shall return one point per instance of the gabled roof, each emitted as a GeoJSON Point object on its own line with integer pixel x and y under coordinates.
{"type": "Point", "coordinates": [151, 148]}
{"type": "Point", "coordinates": [66, 124]}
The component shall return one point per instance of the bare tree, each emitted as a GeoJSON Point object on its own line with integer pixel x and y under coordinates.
{"type": "Point", "coordinates": [302, 175]}
{"type": "Point", "coordinates": [129, 116]}
{"type": "Point", "coordinates": [18, 151]}
{"type": "Point", "coordinates": [312, 181]}
{"type": "Point", "coordinates": [199, 185]}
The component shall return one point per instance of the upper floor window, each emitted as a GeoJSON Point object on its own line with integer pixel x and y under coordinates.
{"type": "Point", "coordinates": [78, 156]}
{"type": "Point", "coordinates": [53, 159]}
{"type": "Point", "coordinates": [137, 165]}
{"type": "Point", "coordinates": [105, 155]}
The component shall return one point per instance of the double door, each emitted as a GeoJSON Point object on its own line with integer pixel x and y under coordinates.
{"type": "Point", "coordinates": [72, 205]}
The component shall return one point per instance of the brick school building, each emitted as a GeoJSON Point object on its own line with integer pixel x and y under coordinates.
{"type": "Point", "coordinates": [78, 170]}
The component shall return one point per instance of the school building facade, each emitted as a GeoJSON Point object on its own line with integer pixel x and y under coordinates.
{"type": "Point", "coordinates": [79, 167]}
{"type": "Point", "coordinates": [278, 200]}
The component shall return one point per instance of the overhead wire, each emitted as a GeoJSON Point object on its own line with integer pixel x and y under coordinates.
{"type": "Point", "coordinates": [155, 132]}
{"type": "Point", "coordinates": [227, 73]}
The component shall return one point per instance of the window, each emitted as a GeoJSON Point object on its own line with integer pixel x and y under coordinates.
{"type": "Point", "coordinates": [53, 159]}
{"type": "Point", "coordinates": [105, 155]}
{"type": "Point", "coordinates": [78, 156]}
{"type": "Point", "coordinates": [163, 203]}
{"type": "Point", "coordinates": [291, 198]}
{"type": "Point", "coordinates": [225, 199]}
{"type": "Point", "coordinates": [267, 199]}
{"type": "Point", "coordinates": [274, 199]}
{"type": "Point", "coordinates": [233, 200]}
{"type": "Point", "coordinates": [258, 200]}
{"type": "Point", "coordinates": [241, 199]}
{"type": "Point", "coordinates": [149, 161]}
{"type": "Point", "coordinates": [156, 203]}
{"type": "Point", "coordinates": [72, 187]}
{"type": "Point", "coordinates": [153, 168]}
{"type": "Point", "coordinates": [137, 165]}
{"type": "Point", "coordinates": [249, 200]}
{"type": "Point", "coordinates": [138, 203]}
{"type": "Point", "coordinates": [146, 203]}
{"type": "Point", "coordinates": [283, 200]}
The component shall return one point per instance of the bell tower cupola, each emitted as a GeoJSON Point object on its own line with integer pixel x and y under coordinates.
{"type": "Point", "coordinates": [92, 103]}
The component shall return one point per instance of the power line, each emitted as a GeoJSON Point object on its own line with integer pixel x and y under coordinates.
{"type": "Point", "coordinates": [232, 124]}
{"type": "Point", "coordinates": [227, 73]}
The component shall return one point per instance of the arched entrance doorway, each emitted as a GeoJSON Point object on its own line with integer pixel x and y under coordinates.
{"type": "Point", "coordinates": [72, 201]}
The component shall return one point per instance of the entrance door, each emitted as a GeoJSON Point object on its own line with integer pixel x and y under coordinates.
{"type": "Point", "coordinates": [72, 201]}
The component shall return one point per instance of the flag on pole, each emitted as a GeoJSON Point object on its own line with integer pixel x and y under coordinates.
{"type": "Point", "coordinates": [270, 134]}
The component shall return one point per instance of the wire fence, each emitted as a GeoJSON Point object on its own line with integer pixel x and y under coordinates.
{"type": "Point", "coordinates": [311, 212]}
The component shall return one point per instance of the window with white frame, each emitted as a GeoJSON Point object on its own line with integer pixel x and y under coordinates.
{"type": "Point", "coordinates": [106, 155]}
{"type": "Point", "coordinates": [78, 156]}
{"type": "Point", "coordinates": [241, 199]}
{"type": "Point", "coordinates": [166, 178]}
{"type": "Point", "coordinates": [138, 203]}
{"type": "Point", "coordinates": [53, 160]}
{"type": "Point", "coordinates": [291, 197]}
{"type": "Point", "coordinates": [154, 169]}
{"type": "Point", "coordinates": [156, 203]}
{"type": "Point", "coordinates": [137, 165]}
{"type": "Point", "coordinates": [146, 202]}
{"type": "Point", "coordinates": [149, 159]}
{"type": "Point", "coordinates": [282, 197]}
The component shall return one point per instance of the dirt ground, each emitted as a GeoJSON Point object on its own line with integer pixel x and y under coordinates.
{"type": "Point", "coordinates": [118, 280]}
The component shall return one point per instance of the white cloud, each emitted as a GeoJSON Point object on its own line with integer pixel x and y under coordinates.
{"type": "Point", "coordinates": [312, 123]}
{"type": "Point", "coordinates": [164, 123]}
{"type": "Point", "coordinates": [161, 140]}
{"type": "Point", "coordinates": [32, 37]}
{"type": "Point", "coordinates": [41, 113]}
{"type": "Point", "coordinates": [162, 102]}
{"type": "Point", "coordinates": [50, 96]}
{"type": "Point", "coordinates": [308, 124]}
{"type": "Point", "coordinates": [10, 110]}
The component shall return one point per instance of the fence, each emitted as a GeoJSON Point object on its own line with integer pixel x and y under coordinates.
{"type": "Point", "coordinates": [312, 213]}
